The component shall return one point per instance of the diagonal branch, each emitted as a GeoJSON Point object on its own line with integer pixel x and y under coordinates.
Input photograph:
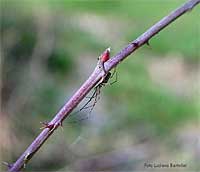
{"type": "Point", "coordinates": [94, 78]}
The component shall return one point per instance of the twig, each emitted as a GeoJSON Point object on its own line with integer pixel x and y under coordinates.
{"type": "Point", "coordinates": [93, 80]}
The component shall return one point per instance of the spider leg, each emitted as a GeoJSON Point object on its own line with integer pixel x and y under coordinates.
{"type": "Point", "coordinates": [97, 97]}
{"type": "Point", "coordinates": [94, 95]}
{"type": "Point", "coordinates": [114, 71]}
{"type": "Point", "coordinates": [85, 105]}
{"type": "Point", "coordinates": [90, 99]}
{"type": "Point", "coordinates": [98, 94]}
{"type": "Point", "coordinates": [116, 76]}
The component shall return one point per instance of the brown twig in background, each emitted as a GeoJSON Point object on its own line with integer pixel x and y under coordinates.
{"type": "Point", "coordinates": [95, 77]}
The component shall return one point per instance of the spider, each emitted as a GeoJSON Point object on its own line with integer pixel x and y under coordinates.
{"type": "Point", "coordinates": [105, 56]}
{"type": "Point", "coordinates": [96, 94]}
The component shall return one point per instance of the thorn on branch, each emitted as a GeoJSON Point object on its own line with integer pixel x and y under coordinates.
{"type": "Point", "coordinates": [51, 127]}
{"type": "Point", "coordinates": [58, 124]}
{"type": "Point", "coordinates": [135, 44]}
{"type": "Point", "coordinates": [148, 43]}
{"type": "Point", "coordinates": [7, 164]}
{"type": "Point", "coordinates": [47, 125]}
{"type": "Point", "coordinates": [26, 158]}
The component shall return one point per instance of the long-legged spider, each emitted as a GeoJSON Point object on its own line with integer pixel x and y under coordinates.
{"type": "Point", "coordinates": [96, 94]}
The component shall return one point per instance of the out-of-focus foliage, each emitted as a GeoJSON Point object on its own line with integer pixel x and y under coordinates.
{"type": "Point", "coordinates": [48, 48]}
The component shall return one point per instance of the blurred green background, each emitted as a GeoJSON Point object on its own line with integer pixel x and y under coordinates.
{"type": "Point", "coordinates": [151, 115]}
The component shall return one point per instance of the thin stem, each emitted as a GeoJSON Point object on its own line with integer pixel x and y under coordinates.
{"type": "Point", "coordinates": [94, 79]}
